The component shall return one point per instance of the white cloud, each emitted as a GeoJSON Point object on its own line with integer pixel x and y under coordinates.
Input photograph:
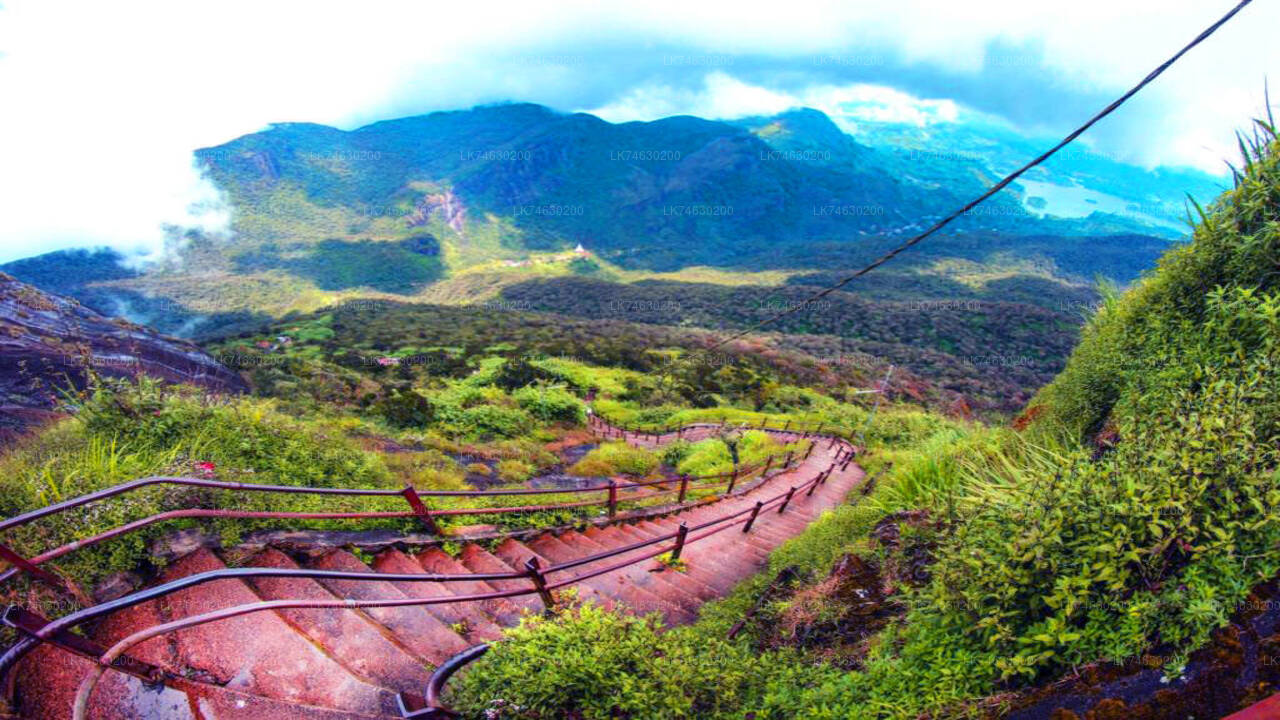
{"type": "Point", "coordinates": [103, 101]}
{"type": "Point", "coordinates": [724, 97]}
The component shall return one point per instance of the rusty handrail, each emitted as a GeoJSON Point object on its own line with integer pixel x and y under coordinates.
{"type": "Point", "coordinates": [19, 564]}
{"type": "Point", "coordinates": [56, 627]}
{"type": "Point", "coordinates": [435, 707]}
{"type": "Point", "coordinates": [113, 657]}
{"type": "Point", "coordinates": [108, 659]}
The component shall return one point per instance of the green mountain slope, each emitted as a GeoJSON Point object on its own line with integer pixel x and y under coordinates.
{"type": "Point", "coordinates": [485, 205]}
{"type": "Point", "coordinates": [1106, 555]}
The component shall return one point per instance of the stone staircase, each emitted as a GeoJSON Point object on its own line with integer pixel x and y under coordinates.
{"type": "Point", "coordinates": [330, 663]}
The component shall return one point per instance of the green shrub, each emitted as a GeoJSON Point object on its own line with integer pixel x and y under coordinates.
{"type": "Point", "coordinates": [607, 665]}
{"type": "Point", "coordinates": [706, 457]}
{"type": "Point", "coordinates": [492, 420]}
{"type": "Point", "coordinates": [406, 409]}
{"type": "Point", "coordinates": [615, 458]}
{"type": "Point", "coordinates": [513, 471]}
{"type": "Point", "coordinates": [552, 405]}
{"type": "Point", "coordinates": [517, 372]}
{"type": "Point", "coordinates": [124, 431]}
{"type": "Point", "coordinates": [674, 452]}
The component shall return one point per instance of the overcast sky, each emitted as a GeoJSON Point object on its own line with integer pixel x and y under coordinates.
{"type": "Point", "coordinates": [102, 102]}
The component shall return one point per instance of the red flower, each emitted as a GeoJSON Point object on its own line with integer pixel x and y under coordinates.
{"type": "Point", "coordinates": [206, 468]}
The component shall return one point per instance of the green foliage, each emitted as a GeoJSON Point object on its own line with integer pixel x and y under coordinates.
{"type": "Point", "coordinates": [517, 372]}
{"type": "Point", "coordinates": [615, 458]}
{"type": "Point", "coordinates": [513, 471]}
{"type": "Point", "coordinates": [1136, 511]}
{"type": "Point", "coordinates": [674, 452]}
{"type": "Point", "coordinates": [707, 457]}
{"type": "Point", "coordinates": [123, 431]}
{"type": "Point", "coordinates": [494, 420]}
{"type": "Point", "coordinates": [406, 409]}
{"type": "Point", "coordinates": [1235, 245]}
{"type": "Point", "coordinates": [401, 266]}
{"type": "Point", "coordinates": [552, 405]}
{"type": "Point", "coordinates": [607, 665]}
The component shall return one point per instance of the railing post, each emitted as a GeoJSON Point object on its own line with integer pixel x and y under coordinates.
{"type": "Point", "coordinates": [787, 426]}
{"type": "Point", "coordinates": [787, 463]}
{"type": "Point", "coordinates": [540, 583]}
{"type": "Point", "coordinates": [28, 567]}
{"type": "Point", "coordinates": [681, 533]}
{"type": "Point", "coordinates": [755, 512]}
{"type": "Point", "coordinates": [733, 480]}
{"type": "Point", "coordinates": [783, 506]}
{"type": "Point", "coordinates": [767, 467]}
{"type": "Point", "coordinates": [420, 509]}
{"type": "Point", "coordinates": [820, 426]}
{"type": "Point", "coordinates": [613, 498]}
{"type": "Point", "coordinates": [808, 452]}
{"type": "Point", "coordinates": [684, 487]}
{"type": "Point", "coordinates": [813, 485]}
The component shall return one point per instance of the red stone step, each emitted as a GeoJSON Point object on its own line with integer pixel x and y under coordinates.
{"type": "Point", "coordinates": [698, 555]}
{"type": "Point", "coordinates": [414, 627]}
{"type": "Point", "coordinates": [695, 591]}
{"type": "Point", "coordinates": [117, 626]}
{"type": "Point", "coordinates": [710, 576]}
{"type": "Point", "coordinates": [48, 679]}
{"type": "Point", "coordinates": [645, 573]}
{"type": "Point", "coordinates": [745, 558]}
{"type": "Point", "coordinates": [351, 637]}
{"type": "Point", "coordinates": [478, 560]}
{"type": "Point", "coordinates": [608, 584]}
{"type": "Point", "coordinates": [641, 593]}
{"type": "Point", "coordinates": [503, 612]}
{"type": "Point", "coordinates": [259, 653]}
{"type": "Point", "coordinates": [516, 553]}
{"type": "Point", "coordinates": [470, 618]}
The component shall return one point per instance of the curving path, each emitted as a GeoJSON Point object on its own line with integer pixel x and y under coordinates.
{"type": "Point", "coordinates": [332, 663]}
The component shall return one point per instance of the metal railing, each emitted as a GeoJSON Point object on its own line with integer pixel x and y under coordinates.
{"type": "Point", "coordinates": [35, 630]}
{"type": "Point", "coordinates": [619, 429]}
{"type": "Point", "coordinates": [414, 498]}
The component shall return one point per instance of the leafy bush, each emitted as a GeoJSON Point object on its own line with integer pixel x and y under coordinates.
{"type": "Point", "coordinates": [518, 372]}
{"type": "Point", "coordinates": [514, 470]}
{"type": "Point", "coordinates": [406, 409]}
{"type": "Point", "coordinates": [615, 458]}
{"type": "Point", "coordinates": [493, 420]}
{"type": "Point", "coordinates": [647, 673]}
{"type": "Point", "coordinates": [674, 452]}
{"type": "Point", "coordinates": [706, 457]}
{"type": "Point", "coordinates": [552, 405]}
{"type": "Point", "coordinates": [123, 431]}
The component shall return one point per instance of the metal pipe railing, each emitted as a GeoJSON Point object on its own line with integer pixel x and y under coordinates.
{"type": "Point", "coordinates": [114, 656]}
{"type": "Point", "coordinates": [56, 628]}
{"type": "Point", "coordinates": [36, 630]}
{"type": "Point", "coordinates": [20, 564]}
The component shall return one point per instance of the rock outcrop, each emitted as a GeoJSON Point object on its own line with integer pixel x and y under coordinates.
{"type": "Point", "coordinates": [49, 343]}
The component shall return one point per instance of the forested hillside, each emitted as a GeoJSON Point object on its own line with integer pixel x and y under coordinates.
{"type": "Point", "coordinates": [1126, 521]}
